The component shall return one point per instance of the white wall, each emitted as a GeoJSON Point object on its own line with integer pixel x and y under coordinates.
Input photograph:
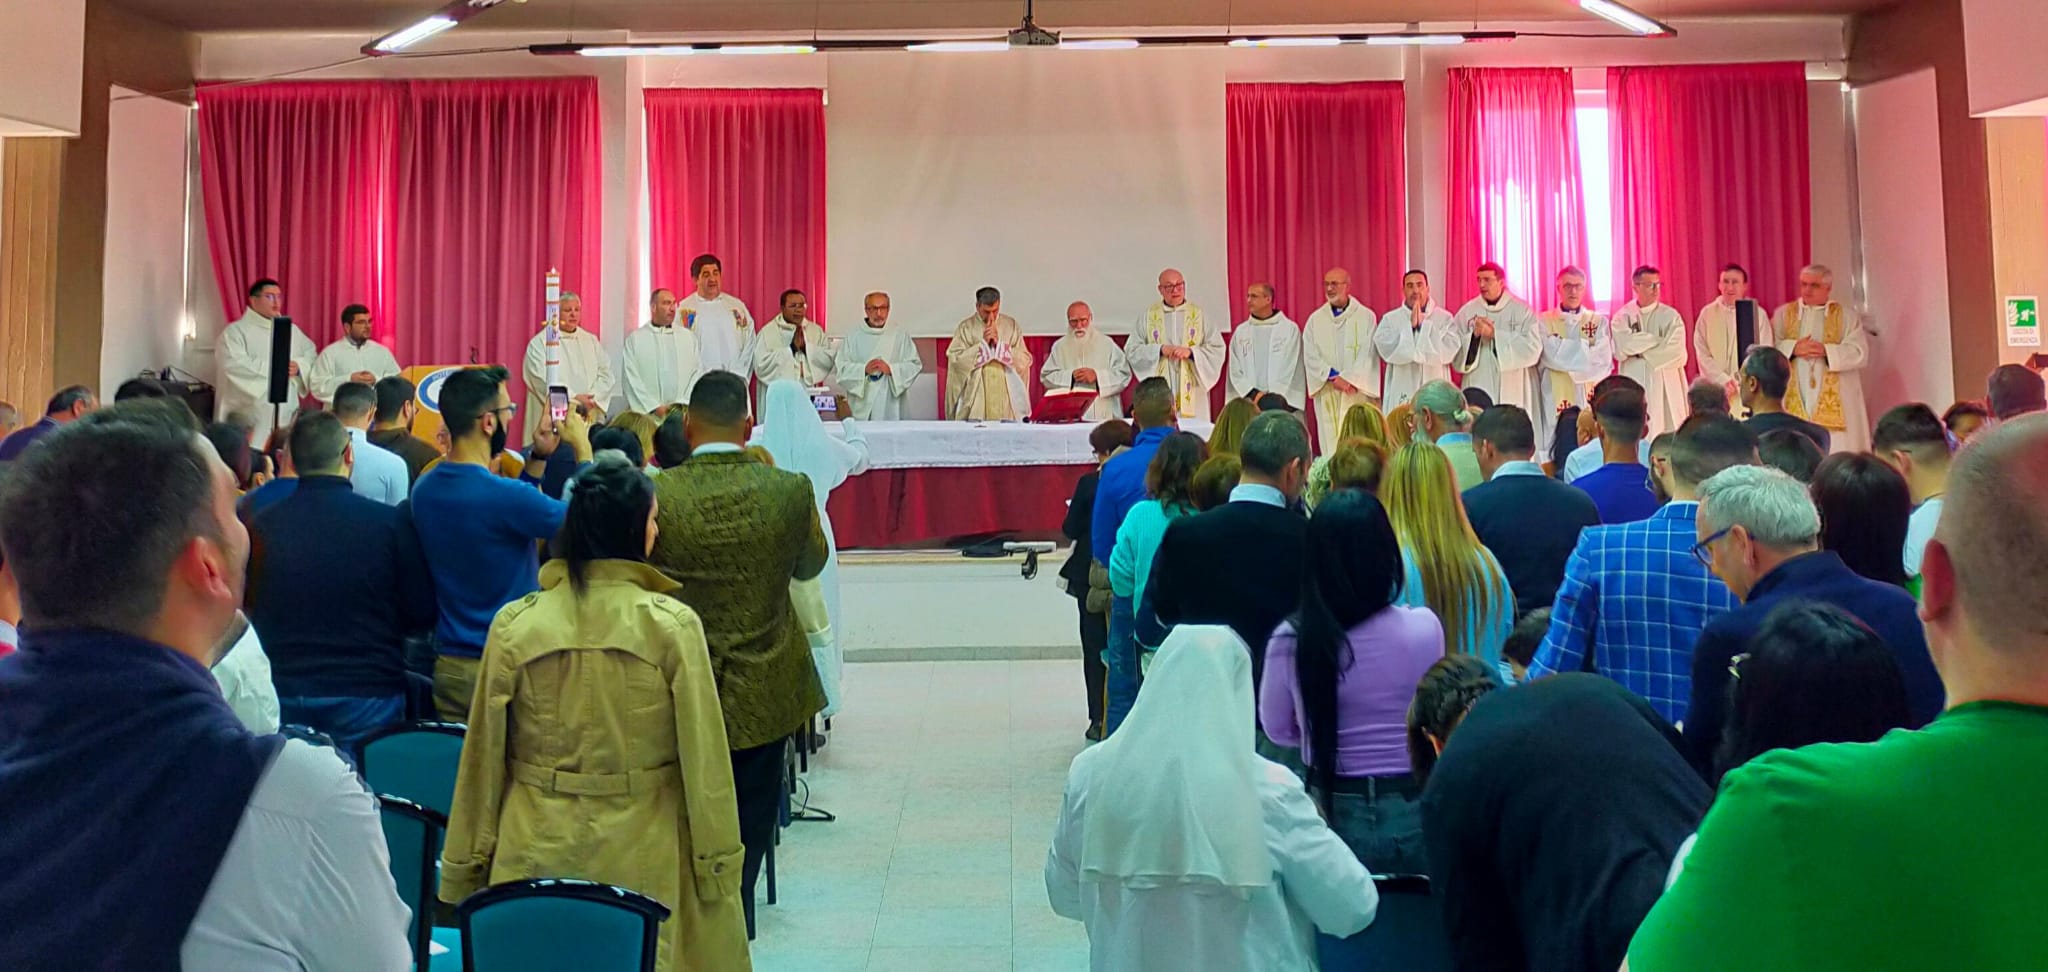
{"type": "Point", "coordinates": [144, 305]}
{"type": "Point", "coordinates": [1903, 258]}
{"type": "Point", "coordinates": [2002, 43]}
{"type": "Point", "coordinates": [42, 66]}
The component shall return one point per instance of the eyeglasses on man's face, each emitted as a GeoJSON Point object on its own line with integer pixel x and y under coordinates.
{"type": "Point", "coordinates": [1703, 551]}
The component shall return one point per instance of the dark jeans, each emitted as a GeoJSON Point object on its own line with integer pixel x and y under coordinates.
{"type": "Point", "coordinates": [1383, 827]}
{"type": "Point", "coordinates": [757, 783]}
{"type": "Point", "coordinates": [346, 719]}
{"type": "Point", "coordinates": [1094, 641]}
{"type": "Point", "coordinates": [1121, 661]}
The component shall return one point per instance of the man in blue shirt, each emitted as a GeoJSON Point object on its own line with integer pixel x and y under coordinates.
{"type": "Point", "coordinates": [1588, 456]}
{"type": "Point", "coordinates": [1621, 486]}
{"type": "Point", "coordinates": [480, 531]}
{"type": "Point", "coordinates": [66, 406]}
{"type": "Point", "coordinates": [1122, 486]}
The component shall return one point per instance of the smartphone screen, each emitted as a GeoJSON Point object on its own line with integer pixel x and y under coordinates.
{"type": "Point", "coordinates": [828, 404]}
{"type": "Point", "coordinates": [558, 401]}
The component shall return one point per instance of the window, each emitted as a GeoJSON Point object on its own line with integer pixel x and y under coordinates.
{"type": "Point", "coordinates": [1593, 189]}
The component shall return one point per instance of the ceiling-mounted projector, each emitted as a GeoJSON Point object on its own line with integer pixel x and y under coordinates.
{"type": "Point", "coordinates": [1032, 35]}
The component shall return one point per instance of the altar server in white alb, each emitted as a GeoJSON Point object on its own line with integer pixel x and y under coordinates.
{"type": "Point", "coordinates": [724, 329]}
{"type": "Point", "coordinates": [662, 360]}
{"type": "Point", "coordinates": [1174, 341]}
{"type": "Point", "coordinates": [1649, 347]}
{"type": "Point", "coordinates": [1578, 351]}
{"type": "Point", "coordinates": [986, 365]}
{"type": "Point", "coordinates": [1338, 359]}
{"type": "Point", "coordinates": [1500, 342]}
{"type": "Point", "coordinates": [792, 348]}
{"type": "Point", "coordinates": [1086, 359]}
{"type": "Point", "coordinates": [584, 368]}
{"type": "Point", "coordinates": [1417, 340]}
{"type": "Point", "coordinates": [245, 363]}
{"type": "Point", "coordinates": [1719, 341]}
{"type": "Point", "coordinates": [1265, 352]}
{"type": "Point", "coordinates": [353, 358]}
{"type": "Point", "coordinates": [877, 363]}
{"type": "Point", "coordinates": [1826, 342]}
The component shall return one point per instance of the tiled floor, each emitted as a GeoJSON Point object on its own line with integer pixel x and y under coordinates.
{"type": "Point", "coordinates": [946, 778]}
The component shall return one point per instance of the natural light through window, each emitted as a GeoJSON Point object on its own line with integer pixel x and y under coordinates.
{"type": "Point", "coordinates": [1592, 122]}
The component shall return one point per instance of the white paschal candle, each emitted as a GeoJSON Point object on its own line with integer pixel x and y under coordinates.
{"type": "Point", "coordinates": [553, 340]}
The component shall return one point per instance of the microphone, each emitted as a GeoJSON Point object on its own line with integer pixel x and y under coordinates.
{"type": "Point", "coordinates": [472, 354]}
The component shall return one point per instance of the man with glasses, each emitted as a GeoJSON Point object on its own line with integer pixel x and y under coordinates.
{"type": "Point", "coordinates": [1174, 341]}
{"type": "Point", "coordinates": [244, 351]}
{"type": "Point", "coordinates": [1649, 346]}
{"type": "Point", "coordinates": [878, 363]}
{"type": "Point", "coordinates": [1634, 599]}
{"type": "Point", "coordinates": [1760, 533]}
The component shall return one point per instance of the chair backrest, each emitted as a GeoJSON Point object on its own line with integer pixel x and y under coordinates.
{"type": "Point", "coordinates": [415, 761]}
{"type": "Point", "coordinates": [412, 835]}
{"type": "Point", "coordinates": [1406, 935]}
{"type": "Point", "coordinates": [557, 923]}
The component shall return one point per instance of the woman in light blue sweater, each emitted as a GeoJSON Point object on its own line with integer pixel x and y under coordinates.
{"type": "Point", "coordinates": [1169, 486]}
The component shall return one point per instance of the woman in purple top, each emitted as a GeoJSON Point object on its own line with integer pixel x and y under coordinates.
{"type": "Point", "coordinates": [1339, 677]}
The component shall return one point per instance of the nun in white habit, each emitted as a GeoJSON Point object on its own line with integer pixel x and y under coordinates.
{"type": "Point", "coordinates": [1182, 848]}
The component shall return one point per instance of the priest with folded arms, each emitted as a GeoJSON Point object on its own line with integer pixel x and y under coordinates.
{"type": "Point", "coordinates": [724, 329]}
{"type": "Point", "coordinates": [663, 361]}
{"type": "Point", "coordinates": [986, 365]}
{"type": "Point", "coordinates": [585, 368]}
{"type": "Point", "coordinates": [792, 348]}
{"type": "Point", "coordinates": [1265, 352]}
{"type": "Point", "coordinates": [1826, 342]}
{"type": "Point", "coordinates": [1417, 340]}
{"type": "Point", "coordinates": [1174, 341]}
{"type": "Point", "coordinates": [244, 350]}
{"type": "Point", "coordinates": [1649, 347]}
{"type": "Point", "coordinates": [353, 358]}
{"type": "Point", "coordinates": [1578, 351]}
{"type": "Point", "coordinates": [1086, 359]}
{"type": "Point", "coordinates": [877, 363]}
{"type": "Point", "coordinates": [1339, 362]}
{"type": "Point", "coordinates": [1500, 343]}
{"type": "Point", "coordinates": [1727, 328]}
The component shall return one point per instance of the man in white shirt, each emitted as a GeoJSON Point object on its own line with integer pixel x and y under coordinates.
{"type": "Point", "coordinates": [1086, 359]}
{"type": "Point", "coordinates": [1578, 350]}
{"type": "Point", "coordinates": [792, 348]}
{"type": "Point", "coordinates": [663, 361]}
{"type": "Point", "coordinates": [379, 473]}
{"type": "Point", "coordinates": [1825, 340]}
{"type": "Point", "coordinates": [877, 363]}
{"type": "Point", "coordinates": [1913, 440]}
{"type": "Point", "coordinates": [582, 366]}
{"type": "Point", "coordinates": [353, 358]}
{"type": "Point", "coordinates": [1265, 352]}
{"type": "Point", "coordinates": [1174, 341]}
{"type": "Point", "coordinates": [724, 329]}
{"type": "Point", "coordinates": [244, 350]}
{"type": "Point", "coordinates": [1649, 347]}
{"type": "Point", "coordinates": [1717, 339]}
{"type": "Point", "coordinates": [1417, 340]}
{"type": "Point", "coordinates": [1338, 358]}
{"type": "Point", "coordinates": [1500, 343]}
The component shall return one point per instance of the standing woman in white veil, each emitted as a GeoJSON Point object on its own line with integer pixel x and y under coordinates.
{"type": "Point", "coordinates": [795, 437]}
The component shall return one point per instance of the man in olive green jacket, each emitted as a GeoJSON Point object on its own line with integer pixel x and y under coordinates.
{"type": "Point", "coordinates": [734, 533]}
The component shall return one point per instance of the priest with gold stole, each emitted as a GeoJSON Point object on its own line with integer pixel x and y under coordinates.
{"type": "Point", "coordinates": [584, 368]}
{"type": "Point", "coordinates": [877, 363]}
{"type": "Point", "coordinates": [1828, 348]}
{"type": "Point", "coordinates": [1172, 340]}
{"type": "Point", "coordinates": [245, 363]}
{"type": "Point", "coordinates": [1086, 359]}
{"type": "Point", "coordinates": [1578, 351]}
{"type": "Point", "coordinates": [986, 365]}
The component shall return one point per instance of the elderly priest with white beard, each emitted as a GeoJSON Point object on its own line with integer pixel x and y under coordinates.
{"type": "Point", "coordinates": [245, 364]}
{"type": "Point", "coordinates": [1086, 359]}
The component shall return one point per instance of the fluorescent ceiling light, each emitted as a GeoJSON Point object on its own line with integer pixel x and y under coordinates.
{"type": "Point", "coordinates": [414, 34]}
{"type": "Point", "coordinates": [1622, 15]}
{"type": "Point", "coordinates": [1414, 40]}
{"type": "Point", "coordinates": [764, 49]}
{"type": "Point", "coordinates": [652, 50]}
{"type": "Point", "coordinates": [960, 47]}
{"type": "Point", "coordinates": [1098, 44]}
{"type": "Point", "coordinates": [1286, 42]}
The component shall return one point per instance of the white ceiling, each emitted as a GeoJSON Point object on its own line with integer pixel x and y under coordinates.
{"type": "Point", "coordinates": [671, 16]}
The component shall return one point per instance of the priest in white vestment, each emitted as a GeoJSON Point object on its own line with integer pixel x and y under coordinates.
{"type": "Point", "coordinates": [987, 364]}
{"type": "Point", "coordinates": [1173, 340]}
{"type": "Point", "coordinates": [244, 350]}
{"type": "Point", "coordinates": [1715, 342]}
{"type": "Point", "coordinates": [584, 369]}
{"type": "Point", "coordinates": [663, 361]}
{"type": "Point", "coordinates": [877, 364]}
{"type": "Point", "coordinates": [1828, 348]}
{"type": "Point", "coordinates": [1265, 352]}
{"type": "Point", "coordinates": [792, 347]}
{"type": "Point", "coordinates": [1085, 359]}
{"type": "Point", "coordinates": [1339, 363]}
{"type": "Point", "coordinates": [1500, 343]}
{"type": "Point", "coordinates": [353, 358]}
{"type": "Point", "coordinates": [724, 329]}
{"type": "Point", "coordinates": [1417, 340]}
{"type": "Point", "coordinates": [1578, 351]}
{"type": "Point", "coordinates": [1649, 347]}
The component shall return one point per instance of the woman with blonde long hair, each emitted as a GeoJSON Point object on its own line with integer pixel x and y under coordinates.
{"type": "Point", "coordinates": [1400, 425]}
{"type": "Point", "coordinates": [1228, 435]}
{"type": "Point", "coordinates": [642, 425]}
{"type": "Point", "coordinates": [1363, 422]}
{"type": "Point", "coordinates": [1447, 569]}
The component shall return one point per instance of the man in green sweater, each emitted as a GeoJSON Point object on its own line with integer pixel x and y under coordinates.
{"type": "Point", "coordinates": [1921, 850]}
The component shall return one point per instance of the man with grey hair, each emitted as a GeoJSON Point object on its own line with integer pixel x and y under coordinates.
{"type": "Point", "coordinates": [1825, 340]}
{"type": "Point", "coordinates": [877, 363]}
{"type": "Point", "coordinates": [1760, 533]}
{"type": "Point", "coordinates": [663, 361]}
{"type": "Point", "coordinates": [1785, 866]}
{"type": "Point", "coordinates": [987, 365]}
{"type": "Point", "coordinates": [70, 404]}
{"type": "Point", "coordinates": [584, 367]}
{"type": "Point", "coordinates": [1705, 395]}
{"type": "Point", "coordinates": [1443, 417]}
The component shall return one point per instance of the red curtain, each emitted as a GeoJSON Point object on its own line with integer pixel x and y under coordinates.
{"type": "Point", "coordinates": [296, 181]}
{"type": "Point", "coordinates": [740, 172]}
{"type": "Point", "coordinates": [1514, 188]}
{"type": "Point", "coordinates": [1709, 167]}
{"type": "Point", "coordinates": [1317, 179]}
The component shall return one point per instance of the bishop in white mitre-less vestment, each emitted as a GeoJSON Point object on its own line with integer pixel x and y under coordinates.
{"type": "Point", "coordinates": [1504, 365]}
{"type": "Point", "coordinates": [1265, 352]}
{"type": "Point", "coordinates": [1649, 346]}
{"type": "Point", "coordinates": [244, 350]}
{"type": "Point", "coordinates": [1826, 390]}
{"type": "Point", "coordinates": [1102, 366]}
{"type": "Point", "coordinates": [877, 364]}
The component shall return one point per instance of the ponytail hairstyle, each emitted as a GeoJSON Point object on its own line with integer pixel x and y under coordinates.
{"type": "Point", "coordinates": [607, 517]}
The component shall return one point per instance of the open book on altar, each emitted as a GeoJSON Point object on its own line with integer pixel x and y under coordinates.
{"type": "Point", "coordinates": [1067, 405]}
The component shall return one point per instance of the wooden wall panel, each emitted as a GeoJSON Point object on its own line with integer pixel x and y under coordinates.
{"type": "Point", "coordinates": [31, 194]}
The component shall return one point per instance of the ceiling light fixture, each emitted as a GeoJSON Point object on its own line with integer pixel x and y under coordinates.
{"type": "Point", "coordinates": [1286, 41]}
{"type": "Point", "coordinates": [1627, 18]}
{"type": "Point", "coordinates": [1414, 40]}
{"type": "Point", "coordinates": [448, 16]}
{"type": "Point", "coordinates": [958, 47]}
{"type": "Point", "coordinates": [1098, 44]}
